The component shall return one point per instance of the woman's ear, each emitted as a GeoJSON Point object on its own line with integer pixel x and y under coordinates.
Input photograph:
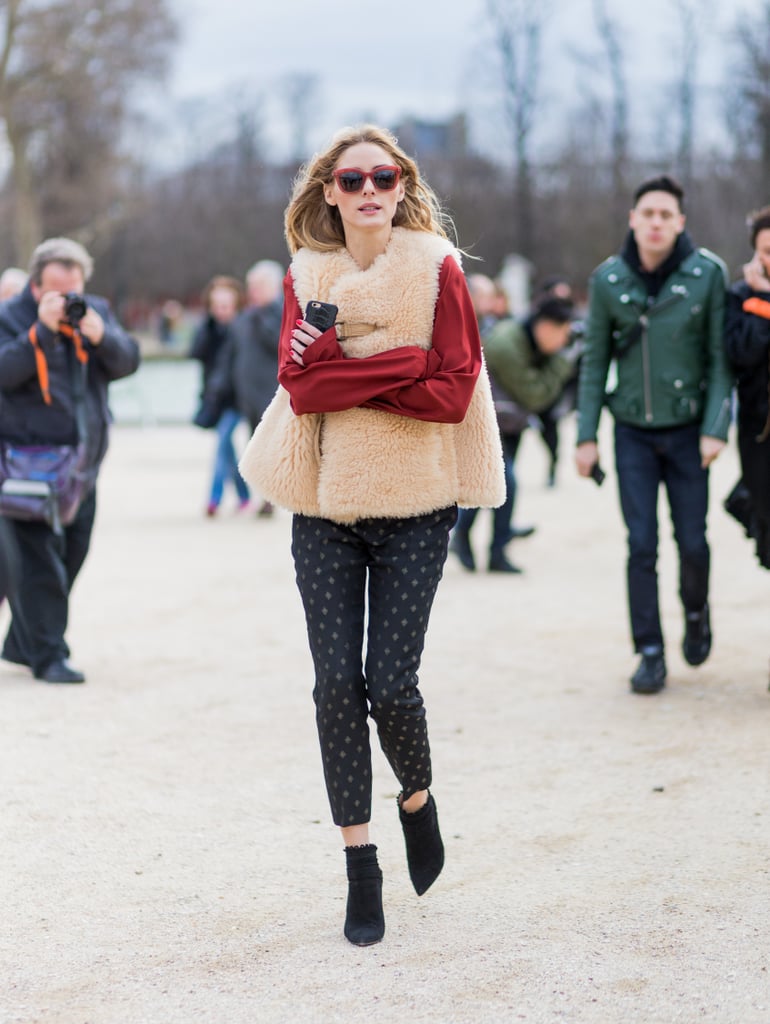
{"type": "Point", "coordinates": [329, 195]}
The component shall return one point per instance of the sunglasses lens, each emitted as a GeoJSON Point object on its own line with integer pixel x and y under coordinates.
{"type": "Point", "coordinates": [350, 181]}
{"type": "Point", "coordinates": [385, 180]}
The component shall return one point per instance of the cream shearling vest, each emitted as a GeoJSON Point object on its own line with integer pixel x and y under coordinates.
{"type": "Point", "coordinates": [363, 463]}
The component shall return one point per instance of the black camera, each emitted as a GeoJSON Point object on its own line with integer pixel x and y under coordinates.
{"type": "Point", "coordinates": [75, 307]}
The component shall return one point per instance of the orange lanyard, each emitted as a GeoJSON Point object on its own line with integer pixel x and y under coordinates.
{"type": "Point", "coordinates": [41, 362]}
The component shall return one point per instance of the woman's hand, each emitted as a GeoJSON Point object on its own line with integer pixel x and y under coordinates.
{"type": "Point", "coordinates": [303, 335]}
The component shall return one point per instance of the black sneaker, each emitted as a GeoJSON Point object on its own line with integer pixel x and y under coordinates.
{"type": "Point", "coordinates": [460, 545]}
{"type": "Point", "coordinates": [696, 644]}
{"type": "Point", "coordinates": [499, 563]}
{"type": "Point", "coordinates": [650, 676]}
{"type": "Point", "coordinates": [60, 671]}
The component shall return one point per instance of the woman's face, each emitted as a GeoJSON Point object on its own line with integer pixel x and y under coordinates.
{"type": "Point", "coordinates": [371, 209]}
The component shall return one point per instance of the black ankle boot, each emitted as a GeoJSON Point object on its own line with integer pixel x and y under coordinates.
{"type": "Point", "coordinates": [364, 919]}
{"type": "Point", "coordinates": [424, 848]}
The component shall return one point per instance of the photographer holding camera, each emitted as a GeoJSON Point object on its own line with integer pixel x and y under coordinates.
{"type": "Point", "coordinates": [52, 335]}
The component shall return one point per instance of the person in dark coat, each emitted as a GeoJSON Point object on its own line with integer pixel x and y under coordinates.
{"type": "Point", "coordinates": [247, 365]}
{"type": "Point", "coordinates": [38, 347]}
{"type": "Point", "coordinates": [255, 336]}
{"type": "Point", "coordinates": [223, 298]}
{"type": "Point", "coordinates": [747, 339]}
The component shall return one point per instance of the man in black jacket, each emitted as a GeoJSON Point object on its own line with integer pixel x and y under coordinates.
{"type": "Point", "coordinates": [38, 349]}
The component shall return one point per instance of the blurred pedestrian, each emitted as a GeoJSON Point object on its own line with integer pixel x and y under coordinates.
{"type": "Point", "coordinates": [747, 337]}
{"type": "Point", "coordinates": [171, 314]}
{"type": "Point", "coordinates": [247, 366]}
{"type": "Point", "coordinates": [223, 300]}
{"type": "Point", "coordinates": [382, 423]}
{"type": "Point", "coordinates": [54, 373]}
{"type": "Point", "coordinates": [486, 297]}
{"type": "Point", "coordinates": [558, 287]}
{"type": "Point", "coordinates": [529, 363]}
{"type": "Point", "coordinates": [12, 281]}
{"type": "Point", "coordinates": [656, 310]}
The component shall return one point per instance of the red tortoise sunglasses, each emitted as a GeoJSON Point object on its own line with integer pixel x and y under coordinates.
{"type": "Point", "coordinates": [352, 179]}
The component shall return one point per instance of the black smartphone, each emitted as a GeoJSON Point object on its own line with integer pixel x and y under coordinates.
{"type": "Point", "coordinates": [321, 314]}
{"type": "Point", "coordinates": [597, 474]}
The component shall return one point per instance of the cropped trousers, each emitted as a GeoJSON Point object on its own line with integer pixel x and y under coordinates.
{"type": "Point", "coordinates": [367, 590]}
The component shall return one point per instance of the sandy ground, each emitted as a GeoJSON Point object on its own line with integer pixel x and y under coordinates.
{"type": "Point", "coordinates": [166, 853]}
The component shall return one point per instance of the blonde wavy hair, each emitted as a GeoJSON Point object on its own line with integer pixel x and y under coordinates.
{"type": "Point", "coordinates": [309, 221]}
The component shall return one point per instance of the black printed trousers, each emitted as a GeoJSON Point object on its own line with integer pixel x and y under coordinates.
{"type": "Point", "coordinates": [367, 590]}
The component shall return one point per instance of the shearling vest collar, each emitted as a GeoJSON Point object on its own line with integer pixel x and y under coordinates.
{"type": "Point", "coordinates": [376, 296]}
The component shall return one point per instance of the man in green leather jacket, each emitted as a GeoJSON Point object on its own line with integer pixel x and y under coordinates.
{"type": "Point", "coordinates": [656, 315]}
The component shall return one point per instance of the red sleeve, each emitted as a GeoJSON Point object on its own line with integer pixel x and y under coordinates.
{"type": "Point", "coordinates": [435, 385]}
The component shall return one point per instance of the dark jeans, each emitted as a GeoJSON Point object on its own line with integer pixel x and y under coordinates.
{"type": "Point", "coordinates": [49, 565]}
{"type": "Point", "coordinates": [644, 459]}
{"type": "Point", "coordinates": [393, 566]}
{"type": "Point", "coordinates": [503, 515]}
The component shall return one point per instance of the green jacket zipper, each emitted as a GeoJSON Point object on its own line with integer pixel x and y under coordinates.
{"type": "Point", "coordinates": [644, 321]}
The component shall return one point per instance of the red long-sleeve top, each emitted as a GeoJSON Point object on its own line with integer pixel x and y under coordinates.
{"type": "Point", "coordinates": [434, 384]}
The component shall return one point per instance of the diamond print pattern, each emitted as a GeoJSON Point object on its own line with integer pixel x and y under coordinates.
{"type": "Point", "coordinates": [367, 589]}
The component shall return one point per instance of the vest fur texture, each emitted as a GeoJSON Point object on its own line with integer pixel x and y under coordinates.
{"type": "Point", "coordinates": [364, 463]}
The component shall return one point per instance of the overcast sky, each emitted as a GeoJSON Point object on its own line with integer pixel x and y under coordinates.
{"type": "Point", "coordinates": [427, 58]}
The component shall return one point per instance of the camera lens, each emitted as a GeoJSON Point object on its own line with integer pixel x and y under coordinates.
{"type": "Point", "coordinates": [75, 307]}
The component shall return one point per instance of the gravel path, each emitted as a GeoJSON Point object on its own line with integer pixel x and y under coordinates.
{"type": "Point", "coordinates": [167, 856]}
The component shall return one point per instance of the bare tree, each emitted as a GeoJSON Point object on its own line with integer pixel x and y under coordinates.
{"type": "Point", "coordinates": [518, 27]}
{"type": "Point", "coordinates": [66, 69]}
{"type": "Point", "coordinates": [301, 93]}
{"type": "Point", "coordinates": [609, 34]}
{"type": "Point", "coordinates": [748, 113]}
{"type": "Point", "coordinates": [690, 14]}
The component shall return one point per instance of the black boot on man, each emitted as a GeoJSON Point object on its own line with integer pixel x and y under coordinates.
{"type": "Point", "coordinates": [696, 644]}
{"type": "Point", "coordinates": [650, 676]}
{"type": "Point", "coordinates": [499, 562]}
{"type": "Point", "coordinates": [460, 545]}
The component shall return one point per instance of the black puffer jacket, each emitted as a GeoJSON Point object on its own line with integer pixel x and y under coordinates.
{"type": "Point", "coordinates": [25, 418]}
{"type": "Point", "coordinates": [208, 342]}
{"type": "Point", "coordinates": [247, 366]}
{"type": "Point", "coordinates": [747, 339]}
